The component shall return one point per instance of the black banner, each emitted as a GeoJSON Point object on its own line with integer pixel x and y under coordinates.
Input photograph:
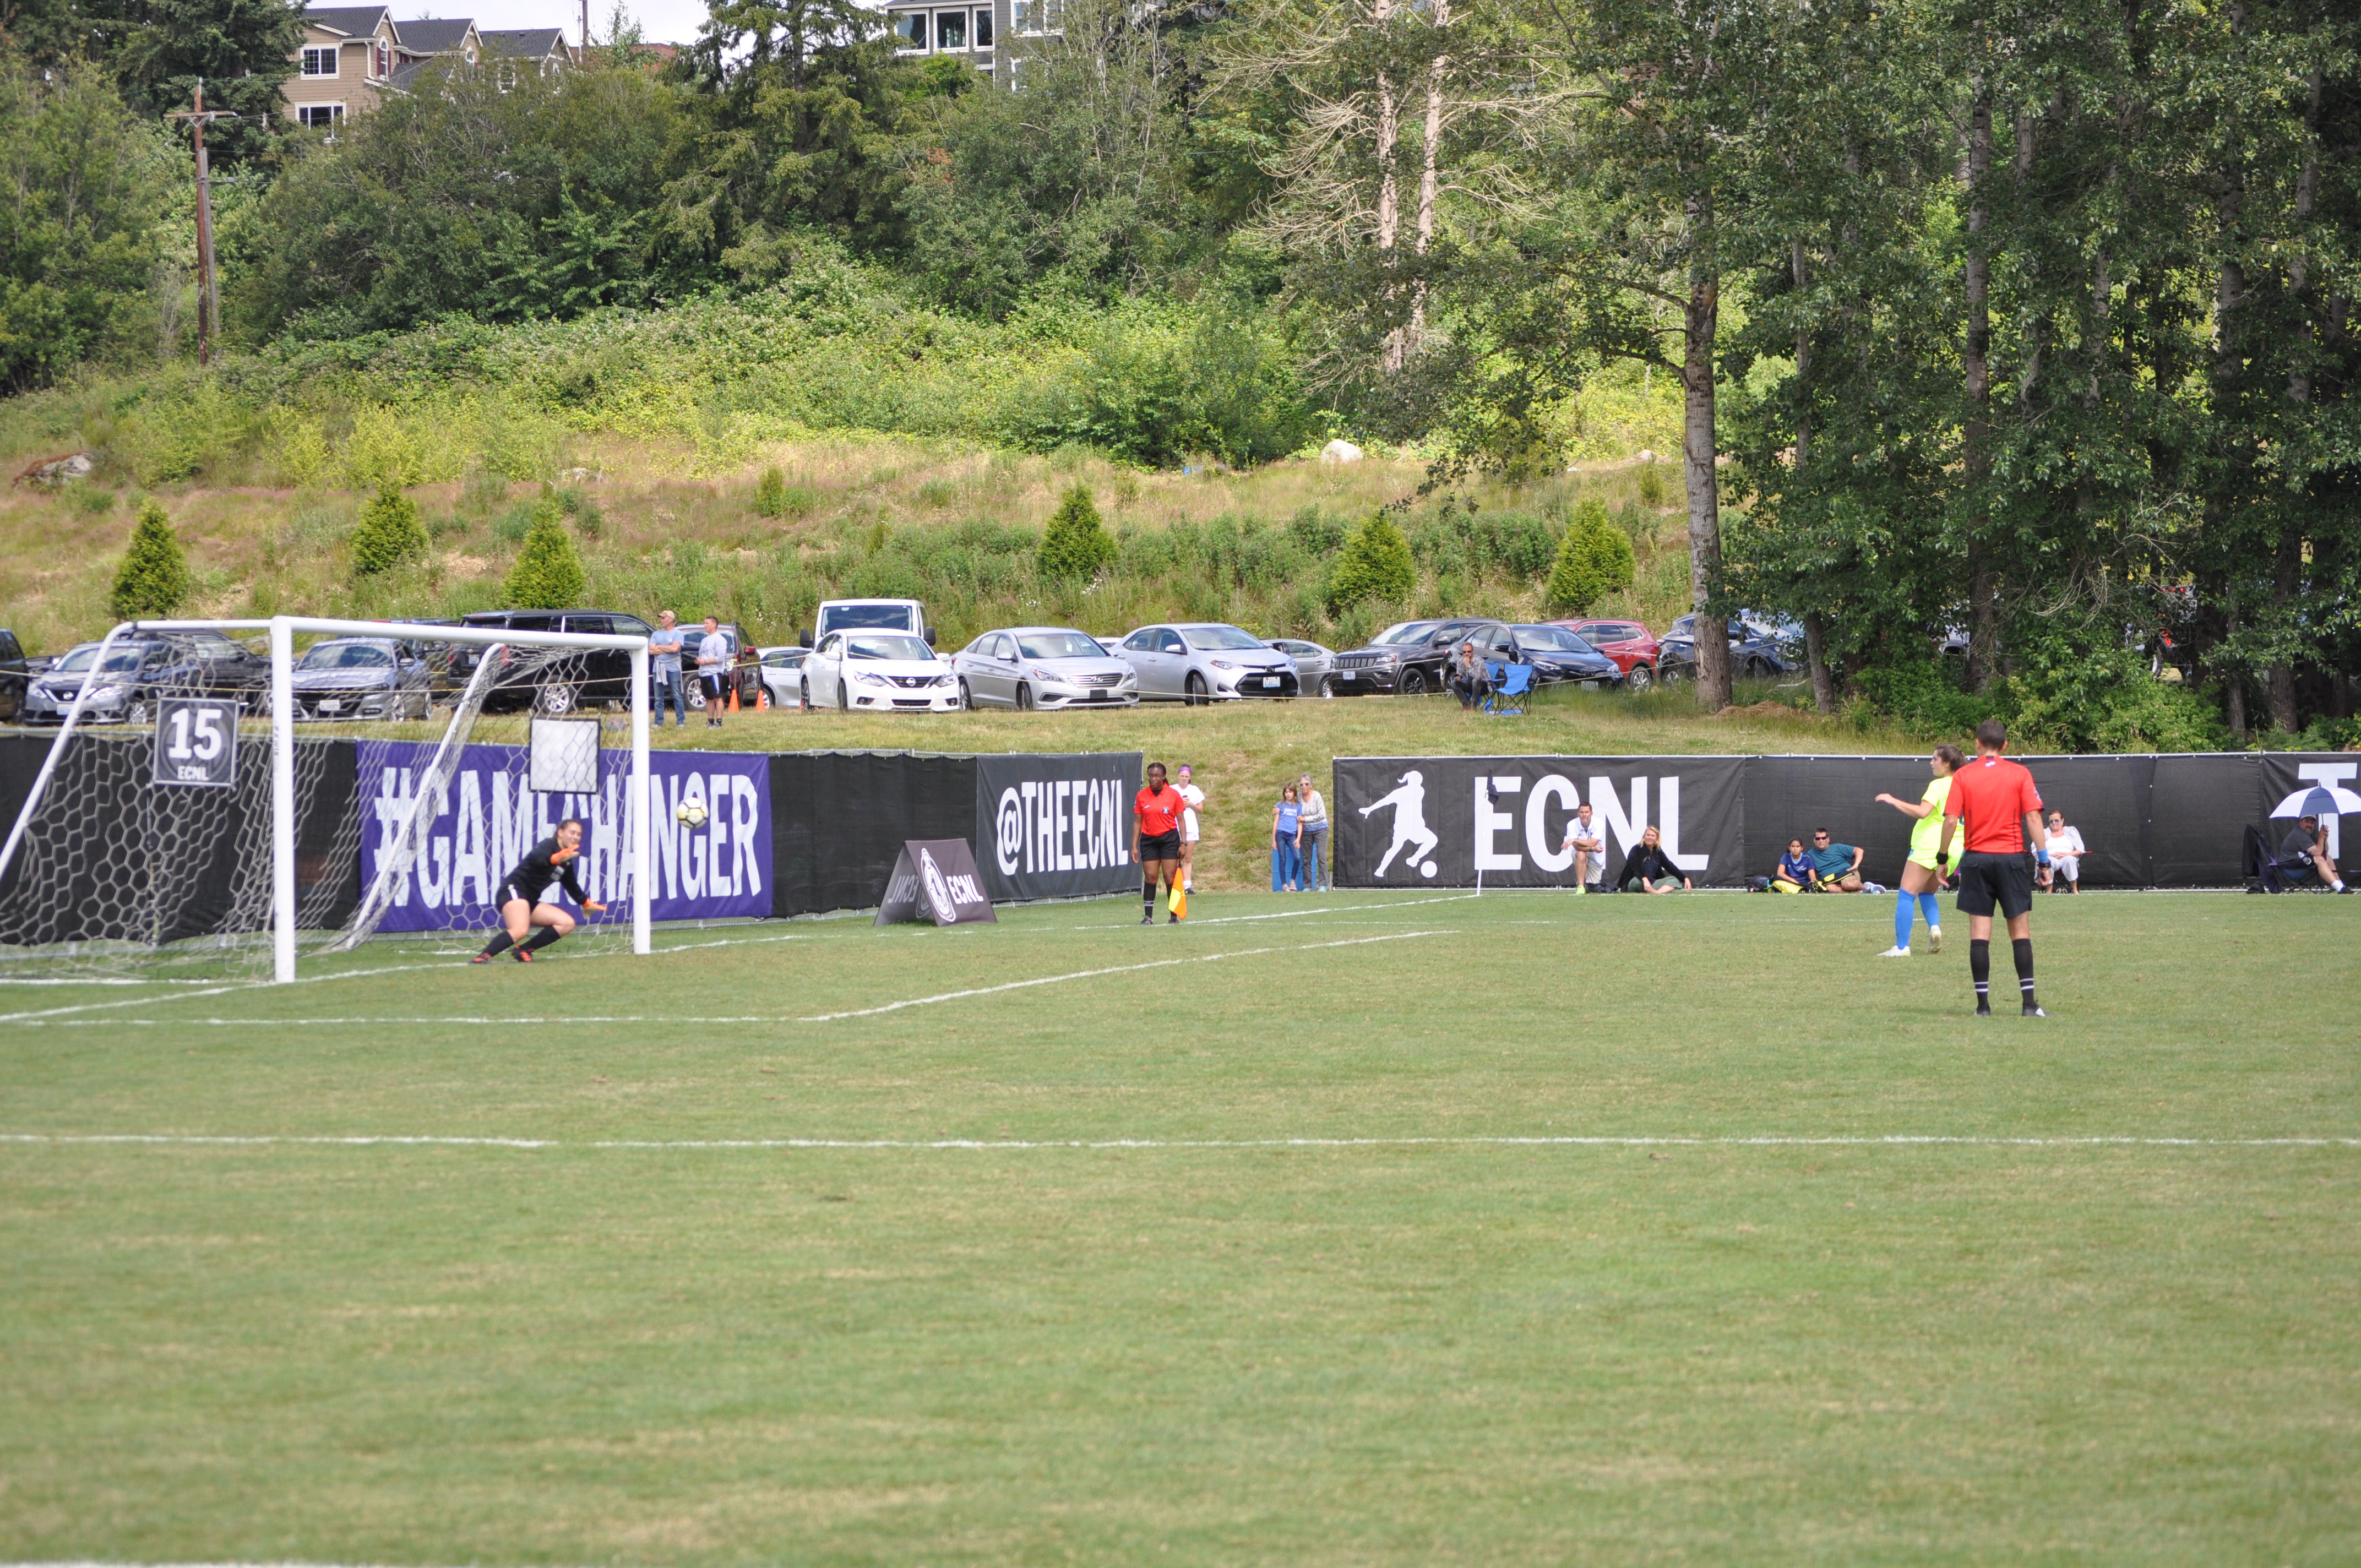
{"type": "Point", "coordinates": [1436, 821]}
{"type": "Point", "coordinates": [839, 820]}
{"type": "Point", "coordinates": [936, 880]}
{"type": "Point", "coordinates": [1056, 827]}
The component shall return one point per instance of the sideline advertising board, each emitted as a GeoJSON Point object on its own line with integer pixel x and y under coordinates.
{"type": "Point", "coordinates": [1056, 825]}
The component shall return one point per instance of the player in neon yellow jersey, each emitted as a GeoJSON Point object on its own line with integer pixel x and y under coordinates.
{"type": "Point", "coordinates": [1922, 874]}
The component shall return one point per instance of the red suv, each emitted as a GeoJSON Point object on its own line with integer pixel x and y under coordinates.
{"type": "Point", "coordinates": [1629, 644]}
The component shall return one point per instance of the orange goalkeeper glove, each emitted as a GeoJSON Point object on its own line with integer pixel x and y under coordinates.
{"type": "Point", "coordinates": [592, 906]}
{"type": "Point", "coordinates": [562, 856]}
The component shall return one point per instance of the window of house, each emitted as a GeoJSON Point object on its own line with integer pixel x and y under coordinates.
{"type": "Point", "coordinates": [950, 29]}
{"type": "Point", "coordinates": [910, 29]}
{"type": "Point", "coordinates": [983, 29]}
{"type": "Point", "coordinates": [319, 116]}
{"type": "Point", "coordinates": [384, 60]}
{"type": "Point", "coordinates": [319, 62]}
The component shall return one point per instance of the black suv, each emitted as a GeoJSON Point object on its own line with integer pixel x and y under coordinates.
{"type": "Point", "coordinates": [1412, 656]}
{"type": "Point", "coordinates": [1756, 652]}
{"type": "Point", "coordinates": [602, 674]}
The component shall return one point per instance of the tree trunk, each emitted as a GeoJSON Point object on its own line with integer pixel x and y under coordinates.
{"type": "Point", "coordinates": [1698, 445]}
{"type": "Point", "coordinates": [1388, 192]}
{"type": "Point", "coordinates": [1426, 174]}
{"type": "Point", "coordinates": [2281, 678]}
{"type": "Point", "coordinates": [1815, 637]}
{"type": "Point", "coordinates": [1815, 648]}
{"type": "Point", "coordinates": [1983, 619]}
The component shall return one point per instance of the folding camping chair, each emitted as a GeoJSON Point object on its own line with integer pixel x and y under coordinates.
{"type": "Point", "coordinates": [1512, 687]}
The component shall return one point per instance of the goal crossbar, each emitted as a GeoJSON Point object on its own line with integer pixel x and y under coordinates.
{"type": "Point", "coordinates": [282, 630]}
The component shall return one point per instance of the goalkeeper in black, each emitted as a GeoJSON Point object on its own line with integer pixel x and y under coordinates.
{"type": "Point", "coordinates": [551, 861]}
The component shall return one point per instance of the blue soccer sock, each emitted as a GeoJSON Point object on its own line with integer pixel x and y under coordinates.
{"type": "Point", "coordinates": [1902, 911]}
{"type": "Point", "coordinates": [1929, 908]}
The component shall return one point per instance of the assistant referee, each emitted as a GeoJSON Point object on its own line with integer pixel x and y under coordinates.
{"type": "Point", "coordinates": [2001, 810]}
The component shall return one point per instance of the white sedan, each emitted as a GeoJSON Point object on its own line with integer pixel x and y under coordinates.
{"type": "Point", "coordinates": [879, 672]}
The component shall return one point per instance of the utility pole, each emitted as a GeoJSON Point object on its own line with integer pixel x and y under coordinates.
{"type": "Point", "coordinates": [585, 62]}
{"type": "Point", "coordinates": [208, 295]}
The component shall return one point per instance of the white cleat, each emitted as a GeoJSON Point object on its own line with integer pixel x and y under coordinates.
{"type": "Point", "coordinates": [1895, 953]}
{"type": "Point", "coordinates": [1934, 938]}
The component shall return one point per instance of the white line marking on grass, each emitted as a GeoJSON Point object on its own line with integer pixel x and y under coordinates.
{"type": "Point", "coordinates": [1297, 913]}
{"type": "Point", "coordinates": [1891, 1140]}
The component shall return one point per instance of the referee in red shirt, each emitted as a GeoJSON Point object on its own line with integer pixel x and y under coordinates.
{"type": "Point", "coordinates": [1995, 798]}
{"type": "Point", "coordinates": [1156, 838]}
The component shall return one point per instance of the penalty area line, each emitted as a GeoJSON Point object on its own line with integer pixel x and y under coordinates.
{"type": "Point", "coordinates": [988, 1146]}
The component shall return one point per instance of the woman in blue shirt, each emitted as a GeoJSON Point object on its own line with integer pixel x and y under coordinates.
{"type": "Point", "coordinates": [1796, 871]}
{"type": "Point", "coordinates": [1286, 842]}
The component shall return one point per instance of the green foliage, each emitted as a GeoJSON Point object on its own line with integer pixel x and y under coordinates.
{"type": "Point", "coordinates": [80, 233]}
{"type": "Point", "coordinates": [242, 50]}
{"type": "Point", "coordinates": [1594, 560]}
{"type": "Point", "coordinates": [1923, 697]}
{"type": "Point", "coordinates": [1149, 394]}
{"type": "Point", "coordinates": [771, 494]}
{"type": "Point", "coordinates": [389, 534]}
{"type": "Point", "coordinates": [2087, 694]}
{"type": "Point", "coordinates": [1376, 565]}
{"type": "Point", "coordinates": [1076, 545]}
{"type": "Point", "coordinates": [153, 581]}
{"type": "Point", "coordinates": [547, 574]}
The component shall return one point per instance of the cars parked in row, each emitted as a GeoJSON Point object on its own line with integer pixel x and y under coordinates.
{"type": "Point", "coordinates": [1027, 667]}
{"type": "Point", "coordinates": [139, 669]}
{"type": "Point", "coordinates": [1756, 651]}
{"type": "Point", "coordinates": [1630, 645]}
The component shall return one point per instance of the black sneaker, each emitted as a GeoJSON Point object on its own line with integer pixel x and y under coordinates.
{"type": "Point", "coordinates": [1173, 920]}
{"type": "Point", "coordinates": [2033, 1010]}
{"type": "Point", "coordinates": [1983, 1009]}
{"type": "Point", "coordinates": [1148, 919]}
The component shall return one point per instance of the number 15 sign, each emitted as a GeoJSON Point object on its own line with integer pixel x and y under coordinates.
{"type": "Point", "coordinates": [196, 742]}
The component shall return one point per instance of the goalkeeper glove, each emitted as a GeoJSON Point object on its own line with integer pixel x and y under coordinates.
{"type": "Point", "coordinates": [563, 856]}
{"type": "Point", "coordinates": [592, 906]}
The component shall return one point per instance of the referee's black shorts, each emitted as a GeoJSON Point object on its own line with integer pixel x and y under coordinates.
{"type": "Point", "coordinates": [1987, 880]}
{"type": "Point", "coordinates": [1156, 847]}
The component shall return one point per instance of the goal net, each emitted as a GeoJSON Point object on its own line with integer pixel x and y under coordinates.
{"type": "Point", "coordinates": [225, 800]}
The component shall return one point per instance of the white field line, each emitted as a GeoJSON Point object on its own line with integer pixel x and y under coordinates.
{"type": "Point", "coordinates": [1535, 1141]}
{"type": "Point", "coordinates": [665, 1018]}
{"type": "Point", "coordinates": [1299, 913]}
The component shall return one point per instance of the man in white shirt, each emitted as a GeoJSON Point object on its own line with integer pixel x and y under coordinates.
{"type": "Point", "coordinates": [1196, 801]}
{"type": "Point", "coordinates": [713, 670]}
{"type": "Point", "coordinates": [663, 642]}
{"type": "Point", "coordinates": [2066, 852]}
{"type": "Point", "coordinates": [1588, 839]}
{"type": "Point", "coordinates": [1316, 834]}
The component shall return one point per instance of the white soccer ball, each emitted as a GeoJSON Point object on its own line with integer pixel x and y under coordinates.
{"type": "Point", "coordinates": [690, 813]}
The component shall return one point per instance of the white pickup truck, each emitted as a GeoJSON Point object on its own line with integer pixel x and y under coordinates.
{"type": "Point", "coordinates": [868, 614]}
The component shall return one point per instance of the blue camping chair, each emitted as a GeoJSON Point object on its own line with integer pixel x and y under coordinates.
{"type": "Point", "coordinates": [1512, 687]}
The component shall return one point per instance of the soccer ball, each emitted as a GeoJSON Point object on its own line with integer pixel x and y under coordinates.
{"type": "Point", "coordinates": [690, 813]}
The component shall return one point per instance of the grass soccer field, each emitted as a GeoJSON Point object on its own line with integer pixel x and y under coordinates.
{"type": "Point", "coordinates": [1346, 1229]}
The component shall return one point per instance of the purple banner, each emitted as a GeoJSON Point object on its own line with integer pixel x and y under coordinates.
{"type": "Point", "coordinates": [486, 819]}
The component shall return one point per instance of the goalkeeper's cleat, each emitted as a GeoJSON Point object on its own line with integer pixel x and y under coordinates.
{"type": "Point", "coordinates": [1934, 938]}
{"type": "Point", "coordinates": [1895, 953]}
{"type": "Point", "coordinates": [481, 959]}
{"type": "Point", "coordinates": [523, 956]}
{"type": "Point", "coordinates": [2032, 1010]}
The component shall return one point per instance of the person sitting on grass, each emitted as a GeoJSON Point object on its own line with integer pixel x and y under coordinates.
{"type": "Point", "coordinates": [1647, 868]}
{"type": "Point", "coordinates": [1839, 864]}
{"type": "Point", "coordinates": [1796, 874]}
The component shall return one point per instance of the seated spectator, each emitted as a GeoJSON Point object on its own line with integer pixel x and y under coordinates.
{"type": "Point", "coordinates": [1470, 677]}
{"type": "Point", "coordinates": [1796, 874]}
{"type": "Point", "coordinates": [1588, 839]}
{"type": "Point", "coordinates": [1647, 868]}
{"type": "Point", "coordinates": [1839, 864]}
{"type": "Point", "coordinates": [2303, 856]}
{"type": "Point", "coordinates": [2066, 851]}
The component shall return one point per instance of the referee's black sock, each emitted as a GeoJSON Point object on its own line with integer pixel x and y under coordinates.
{"type": "Point", "coordinates": [498, 945]}
{"type": "Point", "coordinates": [1980, 970]}
{"type": "Point", "coordinates": [539, 940]}
{"type": "Point", "coordinates": [1147, 897]}
{"type": "Point", "coordinates": [2022, 947]}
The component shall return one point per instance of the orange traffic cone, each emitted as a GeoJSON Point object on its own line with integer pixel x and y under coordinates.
{"type": "Point", "coordinates": [733, 697]}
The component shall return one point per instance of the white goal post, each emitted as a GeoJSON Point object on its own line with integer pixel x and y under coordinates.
{"type": "Point", "coordinates": [501, 659]}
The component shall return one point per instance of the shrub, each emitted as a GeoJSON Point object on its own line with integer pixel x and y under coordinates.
{"type": "Point", "coordinates": [153, 580]}
{"type": "Point", "coordinates": [771, 494]}
{"type": "Point", "coordinates": [1651, 485]}
{"type": "Point", "coordinates": [388, 533]}
{"type": "Point", "coordinates": [1076, 544]}
{"type": "Point", "coordinates": [1594, 560]}
{"type": "Point", "coordinates": [547, 574]}
{"type": "Point", "coordinates": [1376, 565]}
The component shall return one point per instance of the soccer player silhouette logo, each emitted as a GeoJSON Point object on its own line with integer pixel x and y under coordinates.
{"type": "Point", "coordinates": [1410, 831]}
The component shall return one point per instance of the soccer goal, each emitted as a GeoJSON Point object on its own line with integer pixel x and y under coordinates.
{"type": "Point", "coordinates": [225, 798]}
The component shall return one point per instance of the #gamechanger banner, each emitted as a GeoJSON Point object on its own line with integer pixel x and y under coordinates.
{"type": "Point", "coordinates": [486, 819]}
{"type": "Point", "coordinates": [1437, 821]}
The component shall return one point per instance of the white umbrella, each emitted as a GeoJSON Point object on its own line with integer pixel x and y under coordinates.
{"type": "Point", "coordinates": [2319, 800]}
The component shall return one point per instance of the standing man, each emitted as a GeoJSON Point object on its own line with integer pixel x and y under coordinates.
{"type": "Point", "coordinates": [1995, 798]}
{"type": "Point", "coordinates": [1588, 842]}
{"type": "Point", "coordinates": [1315, 833]}
{"type": "Point", "coordinates": [664, 646]}
{"type": "Point", "coordinates": [713, 671]}
{"type": "Point", "coordinates": [1156, 839]}
{"type": "Point", "coordinates": [1192, 828]}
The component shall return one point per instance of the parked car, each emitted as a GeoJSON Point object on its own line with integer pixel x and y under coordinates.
{"type": "Point", "coordinates": [1559, 657]}
{"type": "Point", "coordinates": [783, 676]}
{"type": "Point", "coordinates": [879, 672]}
{"type": "Point", "coordinates": [1315, 667]}
{"type": "Point", "coordinates": [361, 677]}
{"type": "Point", "coordinates": [1631, 645]}
{"type": "Point", "coordinates": [1755, 652]}
{"type": "Point", "coordinates": [1042, 666]}
{"type": "Point", "coordinates": [1198, 662]}
{"type": "Point", "coordinates": [15, 672]}
{"type": "Point", "coordinates": [868, 614]}
{"type": "Point", "coordinates": [1407, 657]}
{"type": "Point", "coordinates": [598, 675]}
{"type": "Point", "coordinates": [140, 669]}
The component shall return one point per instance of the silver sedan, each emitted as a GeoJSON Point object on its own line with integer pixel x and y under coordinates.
{"type": "Point", "coordinates": [1199, 661]}
{"type": "Point", "coordinates": [1315, 667]}
{"type": "Point", "coordinates": [1030, 667]}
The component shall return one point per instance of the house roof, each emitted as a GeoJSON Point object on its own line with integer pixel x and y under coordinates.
{"type": "Point", "coordinates": [353, 21]}
{"type": "Point", "coordinates": [525, 43]}
{"type": "Point", "coordinates": [434, 35]}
